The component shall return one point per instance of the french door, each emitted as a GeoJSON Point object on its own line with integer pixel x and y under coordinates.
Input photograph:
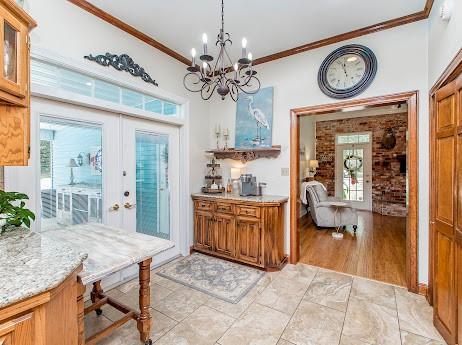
{"type": "Point", "coordinates": [150, 174]}
{"type": "Point", "coordinates": [103, 167]}
{"type": "Point", "coordinates": [353, 173]}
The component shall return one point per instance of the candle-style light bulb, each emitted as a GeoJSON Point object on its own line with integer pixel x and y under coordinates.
{"type": "Point", "coordinates": [193, 53]}
{"type": "Point", "coordinates": [204, 41]}
{"type": "Point", "coordinates": [244, 47]}
{"type": "Point", "coordinates": [249, 56]}
{"type": "Point", "coordinates": [204, 67]}
{"type": "Point", "coordinates": [236, 68]}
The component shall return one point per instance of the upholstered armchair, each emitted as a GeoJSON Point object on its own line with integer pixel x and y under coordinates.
{"type": "Point", "coordinates": [324, 213]}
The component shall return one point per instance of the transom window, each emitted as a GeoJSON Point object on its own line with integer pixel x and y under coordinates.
{"type": "Point", "coordinates": [49, 75]}
{"type": "Point", "coordinates": [353, 138]}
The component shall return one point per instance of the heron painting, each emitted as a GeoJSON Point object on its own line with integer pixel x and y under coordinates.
{"type": "Point", "coordinates": [254, 119]}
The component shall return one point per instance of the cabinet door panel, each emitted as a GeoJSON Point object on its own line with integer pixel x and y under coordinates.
{"type": "Point", "coordinates": [225, 235]}
{"type": "Point", "coordinates": [203, 230]}
{"type": "Point", "coordinates": [248, 240]}
{"type": "Point", "coordinates": [14, 135]}
{"type": "Point", "coordinates": [14, 52]}
{"type": "Point", "coordinates": [18, 331]}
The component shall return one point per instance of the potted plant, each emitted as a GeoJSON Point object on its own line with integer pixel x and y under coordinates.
{"type": "Point", "coordinates": [13, 212]}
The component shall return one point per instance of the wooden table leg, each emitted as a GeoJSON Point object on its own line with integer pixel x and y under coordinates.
{"type": "Point", "coordinates": [144, 321]}
{"type": "Point", "coordinates": [94, 295]}
{"type": "Point", "coordinates": [80, 311]}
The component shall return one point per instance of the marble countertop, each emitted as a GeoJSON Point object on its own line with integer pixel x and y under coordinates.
{"type": "Point", "coordinates": [109, 249]}
{"type": "Point", "coordinates": [262, 199]}
{"type": "Point", "coordinates": [31, 264]}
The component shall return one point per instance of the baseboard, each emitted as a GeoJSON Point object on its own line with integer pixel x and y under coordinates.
{"type": "Point", "coordinates": [423, 290]}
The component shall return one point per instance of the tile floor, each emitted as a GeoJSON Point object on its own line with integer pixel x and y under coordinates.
{"type": "Point", "coordinates": [300, 305]}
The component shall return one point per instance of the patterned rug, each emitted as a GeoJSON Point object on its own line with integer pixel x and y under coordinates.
{"type": "Point", "coordinates": [219, 278]}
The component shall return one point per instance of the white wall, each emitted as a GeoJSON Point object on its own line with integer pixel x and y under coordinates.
{"type": "Point", "coordinates": [402, 66]}
{"type": "Point", "coordinates": [445, 38]}
{"type": "Point", "coordinates": [71, 32]}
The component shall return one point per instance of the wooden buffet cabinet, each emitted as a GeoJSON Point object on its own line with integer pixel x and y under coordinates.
{"type": "Point", "coordinates": [247, 230]}
{"type": "Point", "coordinates": [15, 25]}
{"type": "Point", "coordinates": [49, 318]}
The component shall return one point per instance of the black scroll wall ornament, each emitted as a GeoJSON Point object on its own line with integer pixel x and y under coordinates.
{"type": "Point", "coordinates": [122, 63]}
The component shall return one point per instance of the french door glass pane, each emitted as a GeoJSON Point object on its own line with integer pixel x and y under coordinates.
{"type": "Point", "coordinates": [353, 177]}
{"type": "Point", "coordinates": [152, 190]}
{"type": "Point", "coordinates": [70, 172]}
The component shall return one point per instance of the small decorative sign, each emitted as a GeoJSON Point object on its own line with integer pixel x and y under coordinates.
{"type": "Point", "coordinates": [122, 63]}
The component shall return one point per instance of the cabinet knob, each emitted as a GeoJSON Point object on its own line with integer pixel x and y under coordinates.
{"type": "Point", "coordinates": [129, 206]}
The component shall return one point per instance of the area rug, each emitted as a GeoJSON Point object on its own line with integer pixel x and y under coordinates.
{"type": "Point", "coordinates": [219, 278]}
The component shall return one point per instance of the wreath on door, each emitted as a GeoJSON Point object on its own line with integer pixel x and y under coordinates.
{"type": "Point", "coordinates": [353, 164]}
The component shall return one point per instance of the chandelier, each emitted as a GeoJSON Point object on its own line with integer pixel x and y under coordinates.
{"type": "Point", "coordinates": [213, 75]}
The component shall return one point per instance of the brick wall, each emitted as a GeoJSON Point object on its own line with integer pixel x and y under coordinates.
{"type": "Point", "coordinates": [388, 184]}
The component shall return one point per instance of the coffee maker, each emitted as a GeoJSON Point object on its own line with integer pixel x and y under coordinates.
{"type": "Point", "coordinates": [248, 185]}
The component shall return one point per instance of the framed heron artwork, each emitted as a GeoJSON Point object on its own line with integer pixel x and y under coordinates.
{"type": "Point", "coordinates": [254, 119]}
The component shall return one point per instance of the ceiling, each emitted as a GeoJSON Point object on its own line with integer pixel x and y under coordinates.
{"type": "Point", "coordinates": [270, 26]}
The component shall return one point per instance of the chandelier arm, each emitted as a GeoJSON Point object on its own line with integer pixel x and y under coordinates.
{"type": "Point", "coordinates": [249, 92]}
{"type": "Point", "coordinates": [193, 82]}
{"type": "Point", "coordinates": [209, 92]}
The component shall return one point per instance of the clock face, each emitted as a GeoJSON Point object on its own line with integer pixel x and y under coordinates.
{"type": "Point", "coordinates": [346, 71]}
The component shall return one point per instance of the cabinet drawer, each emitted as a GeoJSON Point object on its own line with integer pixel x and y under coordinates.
{"type": "Point", "coordinates": [248, 211]}
{"type": "Point", "coordinates": [204, 205]}
{"type": "Point", "coordinates": [225, 208]}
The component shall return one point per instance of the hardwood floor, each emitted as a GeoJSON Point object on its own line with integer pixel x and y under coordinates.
{"type": "Point", "coordinates": [378, 251]}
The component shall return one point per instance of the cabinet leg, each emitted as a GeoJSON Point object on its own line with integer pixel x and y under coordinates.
{"type": "Point", "coordinates": [95, 295]}
{"type": "Point", "coordinates": [80, 312]}
{"type": "Point", "coordinates": [144, 321]}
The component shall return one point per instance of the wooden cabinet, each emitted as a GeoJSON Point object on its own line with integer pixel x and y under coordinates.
{"type": "Point", "coordinates": [249, 241]}
{"type": "Point", "coordinates": [49, 318]}
{"type": "Point", "coordinates": [15, 25]}
{"type": "Point", "coordinates": [203, 230]}
{"type": "Point", "coordinates": [250, 232]}
{"type": "Point", "coordinates": [447, 211]}
{"type": "Point", "coordinates": [225, 234]}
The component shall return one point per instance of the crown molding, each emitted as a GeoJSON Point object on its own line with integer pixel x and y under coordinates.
{"type": "Point", "coordinates": [85, 5]}
{"type": "Point", "coordinates": [421, 15]}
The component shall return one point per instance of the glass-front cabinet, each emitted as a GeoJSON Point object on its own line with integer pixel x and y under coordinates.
{"type": "Point", "coordinates": [14, 52]}
{"type": "Point", "coordinates": [15, 25]}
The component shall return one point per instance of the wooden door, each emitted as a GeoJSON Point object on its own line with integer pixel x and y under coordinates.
{"type": "Point", "coordinates": [444, 211]}
{"type": "Point", "coordinates": [203, 230]}
{"type": "Point", "coordinates": [225, 234]}
{"type": "Point", "coordinates": [458, 213]}
{"type": "Point", "coordinates": [248, 240]}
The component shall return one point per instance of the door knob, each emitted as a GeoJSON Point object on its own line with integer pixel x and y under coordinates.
{"type": "Point", "coordinates": [114, 207]}
{"type": "Point", "coordinates": [129, 206]}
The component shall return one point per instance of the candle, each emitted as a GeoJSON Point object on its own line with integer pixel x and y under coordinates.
{"type": "Point", "coordinates": [244, 47]}
{"type": "Point", "coordinates": [204, 41]}
{"type": "Point", "coordinates": [193, 60]}
{"type": "Point", "coordinates": [225, 131]}
{"type": "Point", "coordinates": [217, 129]}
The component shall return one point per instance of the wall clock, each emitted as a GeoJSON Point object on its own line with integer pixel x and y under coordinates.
{"type": "Point", "coordinates": [347, 71]}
